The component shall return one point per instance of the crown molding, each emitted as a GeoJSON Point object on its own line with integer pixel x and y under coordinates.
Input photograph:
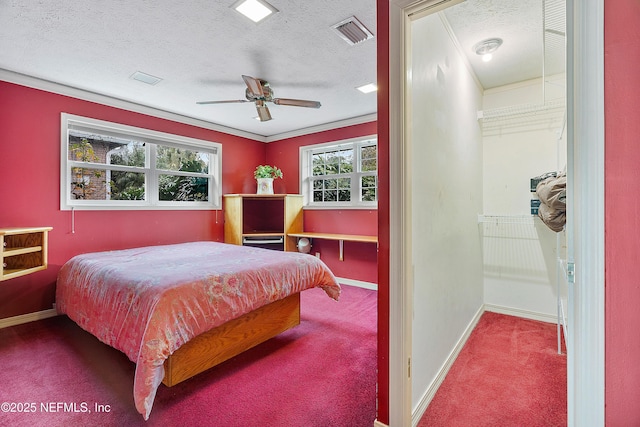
{"type": "Point", "coordinates": [85, 95]}
{"type": "Point", "coordinates": [324, 127]}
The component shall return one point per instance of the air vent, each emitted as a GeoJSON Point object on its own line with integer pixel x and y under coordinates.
{"type": "Point", "coordinates": [145, 78]}
{"type": "Point", "coordinates": [352, 31]}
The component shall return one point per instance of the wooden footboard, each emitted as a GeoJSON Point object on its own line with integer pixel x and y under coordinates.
{"type": "Point", "coordinates": [230, 339]}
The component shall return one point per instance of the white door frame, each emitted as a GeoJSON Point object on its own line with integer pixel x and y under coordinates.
{"type": "Point", "coordinates": [400, 298]}
{"type": "Point", "coordinates": [585, 188]}
{"type": "Point", "coordinates": [585, 130]}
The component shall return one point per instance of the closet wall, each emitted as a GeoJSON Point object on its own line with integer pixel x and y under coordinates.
{"type": "Point", "coordinates": [522, 138]}
{"type": "Point", "coordinates": [446, 197]}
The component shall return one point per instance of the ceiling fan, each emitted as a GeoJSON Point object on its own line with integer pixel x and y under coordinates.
{"type": "Point", "coordinates": [259, 91]}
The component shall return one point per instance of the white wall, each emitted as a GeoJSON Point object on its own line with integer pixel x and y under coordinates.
{"type": "Point", "coordinates": [446, 197]}
{"type": "Point", "coordinates": [520, 251]}
{"type": "Point", "coordinates": [519, 146]}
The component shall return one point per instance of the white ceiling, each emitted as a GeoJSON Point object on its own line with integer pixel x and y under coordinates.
{"type": "Point", "coordinates": [201, 48]}
{"type": "Point", "coordinates": [526, 48]}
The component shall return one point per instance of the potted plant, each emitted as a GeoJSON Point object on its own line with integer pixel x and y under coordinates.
{"type": "Point", "coordinates": [264, 175]}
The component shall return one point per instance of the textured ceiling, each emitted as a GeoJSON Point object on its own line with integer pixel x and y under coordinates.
{"type": "Point", "coordinates": [201, 49]}
{"type": "Point", "coordinates": [520, 25]}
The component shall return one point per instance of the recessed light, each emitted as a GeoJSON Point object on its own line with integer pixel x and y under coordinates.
{"type": "Point", "coordinates": [256, 10]}
{"type": "Point", "coordinates": [368, 88]}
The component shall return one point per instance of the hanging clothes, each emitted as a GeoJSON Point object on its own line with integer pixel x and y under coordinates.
{"type": "Point", "coordinates": [552, 193]}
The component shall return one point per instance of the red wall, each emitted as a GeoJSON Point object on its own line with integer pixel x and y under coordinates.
{"type": "Point", "coordinates": [30, 189]}
{"type": "Point", "coordinates": [360, 259]}
{"type": "Point", "coordinates": [382, 49]}
{"type": "Point", "coordinates": [30, 195]}
{"type": "Point", "coordinates": [622, 212]}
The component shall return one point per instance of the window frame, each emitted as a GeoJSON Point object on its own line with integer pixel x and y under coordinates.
{"type": "Point", "coordinates": [152, 139]}
{"type": "Point", "coordinates": [306, 173]}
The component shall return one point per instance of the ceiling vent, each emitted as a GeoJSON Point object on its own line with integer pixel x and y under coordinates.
{"type": "Point", "coordinates": [145, 78]}
{"type": "Point", "coordinates": [352, 31]}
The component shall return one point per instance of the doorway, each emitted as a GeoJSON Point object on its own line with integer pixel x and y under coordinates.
{"type": "Point", "coordinates": [584, 340]}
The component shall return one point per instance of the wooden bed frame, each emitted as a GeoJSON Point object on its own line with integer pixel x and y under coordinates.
{"type": "Point", "coordinates": [230, 339]}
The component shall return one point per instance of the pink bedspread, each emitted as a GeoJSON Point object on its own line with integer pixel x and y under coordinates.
{"type": "Point", "coordinates": [147, 302]}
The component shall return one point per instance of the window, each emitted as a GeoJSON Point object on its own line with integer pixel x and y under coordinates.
{"type": "Point", "coordinates": [111, 166]}
{"type": "Point", "coordinates": [340, 174]}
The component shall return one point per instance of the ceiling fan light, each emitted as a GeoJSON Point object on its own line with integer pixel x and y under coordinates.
{"type": "Point", "coordinates": [256, 10]}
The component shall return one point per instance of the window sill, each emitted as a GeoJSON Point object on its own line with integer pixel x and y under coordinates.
{"type": "Point", "coordinates": [140, 208]}
{"type": "Point", "coordinates": [341, 208]}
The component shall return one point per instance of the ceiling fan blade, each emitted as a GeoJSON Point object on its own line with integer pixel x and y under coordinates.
{"type": "Point", "coordinates": [222, 102]}
{"type": "Point", "coordinates": [254, 85]}
{"type": "Point", "coordinates": [263, 111]}
{"type": "Point", "coordinates": [296, 102]}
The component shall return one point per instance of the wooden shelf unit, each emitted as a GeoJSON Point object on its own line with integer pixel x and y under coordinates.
{"type": "Point", "coordinates": [24, 251]}
{"type": "Point", "coordinates": [262, 217]}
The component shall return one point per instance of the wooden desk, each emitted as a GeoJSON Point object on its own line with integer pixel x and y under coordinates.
{"type": "Point", "coordinates": [339, 237]}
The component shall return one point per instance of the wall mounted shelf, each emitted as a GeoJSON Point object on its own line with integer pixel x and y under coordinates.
{"type": "Point", "coordinates": [24, 251]}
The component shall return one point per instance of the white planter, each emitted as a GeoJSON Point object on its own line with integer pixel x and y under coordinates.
{"type": "Point", "coordinates": [265, 185]}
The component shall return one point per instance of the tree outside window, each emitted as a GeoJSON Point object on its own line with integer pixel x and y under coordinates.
{"type": "Point", "coordinates": [112, 166]}
{"type": "Point", "coordinates": [340, 174]}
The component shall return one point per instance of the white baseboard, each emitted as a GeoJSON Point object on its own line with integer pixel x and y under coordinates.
{"type": "Point", "coordinates": [377, 423]}
{"type": "Point", "coordinates": [358, 283]}
{"type": "Point", "coordinates": [526, 314]}
{"type": "Point", "coordinates": [29, 317]}
{"type": "Point", "coordinates": [433, 388]}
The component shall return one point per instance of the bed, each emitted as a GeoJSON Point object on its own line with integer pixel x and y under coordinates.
{"type": "Point", "coordinates": [176, 310]}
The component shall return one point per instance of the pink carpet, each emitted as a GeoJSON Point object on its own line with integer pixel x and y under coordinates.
{"type": "Point", "coordinates": [321, 373]}
{"type": "Point", "coordinates": [509, 373]}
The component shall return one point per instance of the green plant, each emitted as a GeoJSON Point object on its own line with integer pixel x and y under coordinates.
{"type": "Point", "coordinates": [266, 171]}
{"type": "Point", "coordinates": [84, 180]}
